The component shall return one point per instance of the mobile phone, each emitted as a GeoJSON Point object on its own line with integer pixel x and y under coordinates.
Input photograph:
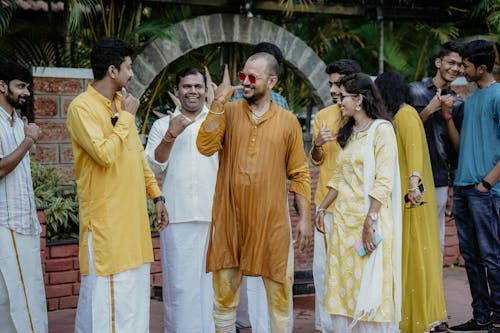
{"type": "Point", "coordinates": [360, 248]}
{"type": "Point", "coordinates": [421, 187]}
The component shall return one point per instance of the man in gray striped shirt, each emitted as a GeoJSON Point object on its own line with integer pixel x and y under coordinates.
{"type": "Point", "coordinates": [22, 293]}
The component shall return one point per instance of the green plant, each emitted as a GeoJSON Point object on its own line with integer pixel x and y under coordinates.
{"type": "Point", "coordinates": [60, 204]}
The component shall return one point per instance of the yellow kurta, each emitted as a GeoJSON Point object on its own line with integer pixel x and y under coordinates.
{"type": "Point", "coordinates": [250, 222]}
{"type": "Point", "coordinates": [344, 266]}
{"type": "Point", "coordinates": [112, 178]}
{"type": "Point", "coordinates": [331, 116]}
{"type": "Point", "coordinates": [423, 296]}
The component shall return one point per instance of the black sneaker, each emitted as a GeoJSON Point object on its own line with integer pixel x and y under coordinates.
{"type": "Point", "coordinates": [470, 326]}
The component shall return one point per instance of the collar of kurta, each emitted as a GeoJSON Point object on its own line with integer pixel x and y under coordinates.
{"type": "Point", "coordinates": [97, 95]}
{"type": "Point", "coordinates": [273, 107]}
{"type": "Point", "coordinates": [204, 111]}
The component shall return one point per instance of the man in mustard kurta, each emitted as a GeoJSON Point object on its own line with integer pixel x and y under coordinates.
{"type": "Point", "coordinates": [260, 147]}
{"type": "Point", "coordinates": [113, 178]}
{"type": "Point", "coordinates": [323, 154]}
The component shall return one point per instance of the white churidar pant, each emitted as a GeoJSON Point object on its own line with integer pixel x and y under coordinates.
{"type": "Point", "coordinates": [322, 318]}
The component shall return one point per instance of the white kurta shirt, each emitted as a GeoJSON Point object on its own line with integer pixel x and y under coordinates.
{"type": "Point", "coordinates": [188, 176]}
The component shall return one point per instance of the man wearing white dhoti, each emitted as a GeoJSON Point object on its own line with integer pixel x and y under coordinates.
{"type": "Point", "coordinates": [22, 294]}
{"type": "Point", "coordinates": [189, 182]}
{"type": "Point", "coordinates": [113, 179]}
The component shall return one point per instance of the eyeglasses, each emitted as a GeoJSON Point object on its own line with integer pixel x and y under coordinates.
{"type": "Point", "coordinates": [342, 96]}
{"type": "Point", "coordinates": [251, 77]}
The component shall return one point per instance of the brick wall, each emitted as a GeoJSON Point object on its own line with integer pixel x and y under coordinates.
{"type": "Point", "coordinates": [61, 272]}
{"type": "Point", "coordinates": [54, 89]}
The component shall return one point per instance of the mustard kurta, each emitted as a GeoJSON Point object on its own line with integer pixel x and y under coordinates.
{"type": "Point", "coordinates": [344, 266]}
{"type": "Point", "coordinates": [331, 116]}
{"type": "Point", "coordinates": [112, 178]}
{"type": "Point", "coordinates": [423, 295]}
{"type": "Point", "coordinates": [250, 225]}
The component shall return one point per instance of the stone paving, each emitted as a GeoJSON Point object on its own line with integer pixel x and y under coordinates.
{"type": "Point", "coordinates": [456, 290]}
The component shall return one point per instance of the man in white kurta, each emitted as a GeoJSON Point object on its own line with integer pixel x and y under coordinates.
{"type": "Point", "coordinates": [189, 183]}
{"type": "Point", "coordinates": [22, 292]}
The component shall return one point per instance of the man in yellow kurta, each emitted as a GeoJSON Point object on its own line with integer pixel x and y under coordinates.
{"type": "Point", "coordinates": [113, 178]}
{"type": "Point", "coordinates": [260, 147]}
{"type": "Point", "coordinates": [324, 153]}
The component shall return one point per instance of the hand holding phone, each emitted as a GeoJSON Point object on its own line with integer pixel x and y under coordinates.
{"type": "Point", "coordinates": [360, 248]}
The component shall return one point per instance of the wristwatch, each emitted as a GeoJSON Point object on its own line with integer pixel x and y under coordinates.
{"type": "Point", "coordinates": [373, 216]}
{"type": "Point", "coordinates": [486, 184]}
{"type": "Point", "coordinates": [160, 198]}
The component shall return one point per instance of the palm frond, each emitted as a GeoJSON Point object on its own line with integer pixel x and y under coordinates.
{"type": "Point", "coordinates": [7, 9]}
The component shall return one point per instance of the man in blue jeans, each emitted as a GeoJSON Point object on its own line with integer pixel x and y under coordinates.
{"type": "Point", "coordinates": [477, 189]}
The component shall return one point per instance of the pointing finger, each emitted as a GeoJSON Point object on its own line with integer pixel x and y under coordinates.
{"type": "Point", "coordinates": [25, 121]}
{"type": "Point", "coordinates": [225, 78]}
{"type": "Point", "coordinates": [170, 114]}
{"type": "Point", "coordinates": [124, 92]}
{"type": "Point", "coordinates": [323, 124]}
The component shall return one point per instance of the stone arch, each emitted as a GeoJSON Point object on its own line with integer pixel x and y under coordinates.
{"type": "Point", "coordinates": [228, 28]}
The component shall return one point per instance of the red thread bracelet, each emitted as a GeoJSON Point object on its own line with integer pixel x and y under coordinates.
{"type": "Point", "coordinates": [170, 134]}
{"type": "Point", "coordinates": [447, 117]}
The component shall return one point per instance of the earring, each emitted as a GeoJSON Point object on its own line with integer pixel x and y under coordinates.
{"type": "Point", "coordinates": [358, 108]}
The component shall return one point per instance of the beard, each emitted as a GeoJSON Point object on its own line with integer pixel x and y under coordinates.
{"type": "Point", "coordinates": [16, 103]}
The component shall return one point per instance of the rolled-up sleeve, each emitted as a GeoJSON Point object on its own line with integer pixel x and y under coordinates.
{"type": "Point", "coordinates": [212, 130]}
{"type": "Point", "coordinates": [154, 139]}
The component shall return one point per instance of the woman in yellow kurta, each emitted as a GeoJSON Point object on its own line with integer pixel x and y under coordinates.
{"type": "Point", "coordinates": [362, 292]}
{"type": "Point", "coordinates": [423, 305]}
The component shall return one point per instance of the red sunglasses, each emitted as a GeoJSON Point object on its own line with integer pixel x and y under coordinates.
{"type": "Point", "coordinates": [252, 78]}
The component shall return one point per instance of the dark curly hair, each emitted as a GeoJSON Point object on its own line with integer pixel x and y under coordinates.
{"type": "Point", "coordinates": [361, 84]}
{"type": "Point", "coordinates": [107, 52]}
{"type": "Point", "coordinates": [394, 91]}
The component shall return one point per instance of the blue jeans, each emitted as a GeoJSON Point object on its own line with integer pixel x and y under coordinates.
{"type": "Point", "coordinates": [477, 216]}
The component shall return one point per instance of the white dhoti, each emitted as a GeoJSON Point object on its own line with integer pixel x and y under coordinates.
{"type": "Point", "coordinates": [22, 293]}
{"type": "Point", "coordinates": [116, 303]}
{"type": "Point", "coordinates": [322, 318]}
{"type": "Point", "coordinates": [187, 288]}
{"type": "Point", "coordinates": [253, 309]}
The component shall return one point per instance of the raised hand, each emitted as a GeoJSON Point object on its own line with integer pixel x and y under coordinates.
{"type": "Point", "coordinates": [225, 90]}
{"type": "Point", "coordinates": [324, 135]}
{"type": "Point", "coordinates": [130, 104]}
{"type": "Point", "coordinates": [178, 124]}
{"type": "Point", "coordinates": [211, 86]}
{"type": "Point", "coordinates": [31, 130]}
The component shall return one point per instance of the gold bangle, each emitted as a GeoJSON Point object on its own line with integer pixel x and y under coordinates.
{"type": "Point", "coordinates": [415, 174]}
{"type": "Point", "coordinates": [217, 113]}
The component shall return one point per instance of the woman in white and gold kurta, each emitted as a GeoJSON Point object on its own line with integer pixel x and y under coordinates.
{"type": "Point", "coordinates": [362, 292]}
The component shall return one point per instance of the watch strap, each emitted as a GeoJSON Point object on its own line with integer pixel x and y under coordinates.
{"type": "Point", "coordinates": [160, 198]}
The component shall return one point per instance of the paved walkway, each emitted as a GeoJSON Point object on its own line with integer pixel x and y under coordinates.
{"type": "Point", "coordinates": [456, 290]}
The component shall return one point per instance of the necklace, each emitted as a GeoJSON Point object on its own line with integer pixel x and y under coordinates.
{"type": "Point", "coordinates": [362, 128]}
